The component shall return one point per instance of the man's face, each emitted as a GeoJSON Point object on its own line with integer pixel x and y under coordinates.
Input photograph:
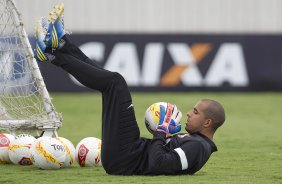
{"type": "Point", "coordinates": [196, 118]}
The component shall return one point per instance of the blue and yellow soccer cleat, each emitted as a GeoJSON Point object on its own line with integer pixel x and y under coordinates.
{"type": "Point", "coordinates": [55, 29]}
{"type": "Point", "coordinates": [40, 47]}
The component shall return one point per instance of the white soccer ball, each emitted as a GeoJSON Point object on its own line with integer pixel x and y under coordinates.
{"type": "Point", "coordinates": [70, 151]}
{"type": "Point", "coordinates": [48, 153]}
{"type": "Point", "coordinates": [19, 149]}
{"type": "Point", "coordinates": [88, 152]}
{"type": "Point", "coordinates": [5, 140]}
{"type": "Point", "coordinates": [154, 114]}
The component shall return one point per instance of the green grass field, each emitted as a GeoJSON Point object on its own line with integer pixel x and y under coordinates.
{"type": "Point", "coordinates": [249, 143]}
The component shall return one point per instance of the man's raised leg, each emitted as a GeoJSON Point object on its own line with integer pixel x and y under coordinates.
{"type": "Point", "coordinates": [121, 143]}
{"type": "Point", "coordinates": [122, 147]}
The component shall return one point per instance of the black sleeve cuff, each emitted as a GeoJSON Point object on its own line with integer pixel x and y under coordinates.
{"type": "Point", "coordinates": [159, 135]}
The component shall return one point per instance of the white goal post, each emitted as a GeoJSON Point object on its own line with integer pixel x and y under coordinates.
{"type": "Point", "coordinates": [25, 103]}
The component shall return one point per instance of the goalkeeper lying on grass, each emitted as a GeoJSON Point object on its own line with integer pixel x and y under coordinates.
{"type": "Point", "coordinates": [124, 152]}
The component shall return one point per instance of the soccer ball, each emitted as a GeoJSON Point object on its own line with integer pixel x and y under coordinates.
{"type": "Point", "coordinates": [154, 114]}
{"type": "Point", "coordinates": [48, 153]}
{"type": "Point", "coordinates": [157, 113]}
{"type": "Point", "coordinates": [5, 140]}
{"type": "Point", "coordinates": [70, 151]}
{"type": "Point", "coordinates": [19, 149]}
{"type": "Point", "coordinates": [88, 152]}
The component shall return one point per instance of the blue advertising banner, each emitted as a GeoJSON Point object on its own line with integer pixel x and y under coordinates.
{"type": "Point", "coordinates": [180, 62]}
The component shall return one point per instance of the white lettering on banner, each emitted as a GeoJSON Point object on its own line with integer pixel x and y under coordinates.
{"type": "Point", "coordinates": [181, 55]}
{"type": "Point", "coordinates": [228, 65]}
{"type": "Point", "coordinates": [94, 50]}
{"type": "Point", "coordinates": [152, 64]}
{"type": "Point", "coordinates": [124, 59]}
{"type": "Point", "coordinates": [75, 81]}
{"type": "Point", "coordinates": [192, 77]}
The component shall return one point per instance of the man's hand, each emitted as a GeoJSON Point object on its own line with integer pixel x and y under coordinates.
{"type": "Point", "coordinates": [171, 123]}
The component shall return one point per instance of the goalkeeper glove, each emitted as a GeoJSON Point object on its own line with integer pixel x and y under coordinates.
{"type": "Point", "coordinates": [171, 123]}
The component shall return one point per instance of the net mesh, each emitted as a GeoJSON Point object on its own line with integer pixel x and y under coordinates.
{"type": "Point", "coordinates": [24, 100]}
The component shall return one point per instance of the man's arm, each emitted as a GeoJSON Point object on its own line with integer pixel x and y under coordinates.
{"type": "Point", "coordinates": [163, 160]}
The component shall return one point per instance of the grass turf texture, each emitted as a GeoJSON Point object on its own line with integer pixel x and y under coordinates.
{"type": "Point", "coordinates": [249, 143]}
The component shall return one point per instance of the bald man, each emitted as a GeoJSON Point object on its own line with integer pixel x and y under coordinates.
{"type": "Point", "coordinates": [124, 152]}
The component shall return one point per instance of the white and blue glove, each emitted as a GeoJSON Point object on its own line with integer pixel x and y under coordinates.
{"type": "Point", "coordinates": [171, 121]}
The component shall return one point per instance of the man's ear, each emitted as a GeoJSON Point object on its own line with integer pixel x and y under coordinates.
{"type": "Point", "coordinates": [208, 123]}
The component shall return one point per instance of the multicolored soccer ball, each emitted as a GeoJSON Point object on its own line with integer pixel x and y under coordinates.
{"type": "Point", "coordinates": [19, 149]}
{"type": "Point", "coordinates": [48, 153]}
{"type": "Point", "coordinates": [154, 115]}
{"type": "Point", "coordinates": [5, 140]}
{"type": "Point", "coordinates": [70, 151]}
{"type": "Point", "coordinates": [88, 152]}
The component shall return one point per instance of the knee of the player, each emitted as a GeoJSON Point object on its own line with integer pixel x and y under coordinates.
{"type": "Point", "coordinates": [119, 81]}
{"type": "Point", "coordinates": [118, 78]}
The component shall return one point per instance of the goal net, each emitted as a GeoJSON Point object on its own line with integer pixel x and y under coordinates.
{"type": "Point", "coordinates": [25, 103]}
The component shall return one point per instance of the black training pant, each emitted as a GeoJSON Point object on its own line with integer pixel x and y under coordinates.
{"type": "Point", "coordinates": [123, 151]}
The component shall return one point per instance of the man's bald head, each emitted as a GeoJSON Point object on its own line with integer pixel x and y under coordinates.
{"type": "Point", "coordinates": [214, 111]}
